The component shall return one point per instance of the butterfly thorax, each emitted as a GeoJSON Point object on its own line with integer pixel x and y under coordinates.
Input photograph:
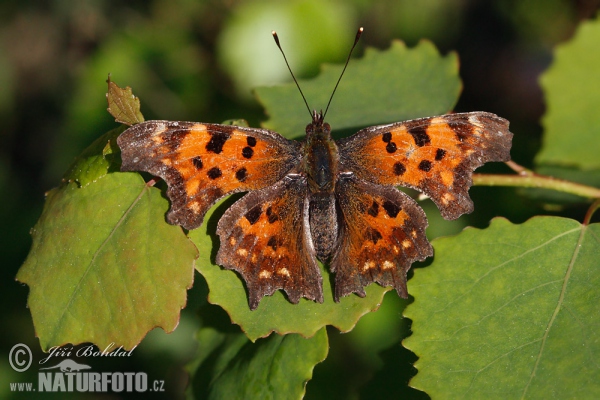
{"type": "Point", "coordinates": [320, 166]}
{"type": "Point", "coordinates": [320, 156]}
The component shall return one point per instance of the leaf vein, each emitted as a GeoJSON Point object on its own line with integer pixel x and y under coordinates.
{"type": "Point", "coordinates": [491, 270]}
{"type": "Point", "coordinates": [495, 311]}
{"type": "Point", "coordinates": [556, 309]}
{"type": "Point", "coordinates": [91, 263]}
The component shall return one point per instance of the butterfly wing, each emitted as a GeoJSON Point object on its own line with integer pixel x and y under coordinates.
{"type": "Point", "coordinates": [435, 155]}
{"type": "Point", "coordinates": [204, 162]}
{"type": "Point", "coordinates": [266, 238]}
{"type": "Point", "coordinates": [382, 234]}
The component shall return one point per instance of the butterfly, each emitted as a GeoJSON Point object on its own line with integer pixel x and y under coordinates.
{"type": "Point", "coordinates": [335, 201]}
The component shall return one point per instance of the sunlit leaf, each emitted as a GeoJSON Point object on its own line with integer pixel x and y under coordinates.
{"type": "Point", "coordinates": [104, 265]}
{"type": "Point", "coordinates": [97, 160]}
{"type": "Point", "coordinates": [510, 311]}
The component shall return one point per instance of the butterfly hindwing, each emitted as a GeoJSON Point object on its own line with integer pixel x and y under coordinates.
{"type": "Point", "coordinates": [435, 155]}
{"type": "Point", "coordinates": [204, 162]}
{"type": "Point", "coordinates": [265, 238]}
{"type": "Point", "coordinates": [382, 234]}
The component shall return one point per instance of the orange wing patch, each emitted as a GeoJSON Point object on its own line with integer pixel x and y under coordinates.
{"type": "Point", "coordinates": [204, 162]}
{"type": "Point", "coordinates": [264, 238]}
{"type": "Point", "coordinates": [435, 155]}
{"type": "Point", "coordinates": [383, 233]}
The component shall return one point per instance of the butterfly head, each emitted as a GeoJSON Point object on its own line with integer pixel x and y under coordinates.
{"type": "Point", "coordinates": [318, 126]}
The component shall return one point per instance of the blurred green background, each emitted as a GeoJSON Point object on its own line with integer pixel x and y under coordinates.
{"type": "Point", "coordinates": [198, 60]}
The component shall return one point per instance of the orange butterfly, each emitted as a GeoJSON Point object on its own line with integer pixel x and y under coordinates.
{"type": "Point", "coordinates": [325, 199]}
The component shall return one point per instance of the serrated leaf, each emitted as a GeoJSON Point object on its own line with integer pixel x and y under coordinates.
{"type": "Point", "coordinates": [93, 272]}
{"type": "Point", "coordinates": [275, 313]}
{"type": "Point", "coordinates": [384, 86]}
{"type": "Point", "coordinates": [97, 160]}
{"type": "Point", "coordinates": [123, 105]}
{"type": "Point", "coordinates": [510, 311]}
{"type": "Point", "coordinates": [277, 367]}
{"type": "Point", "coordinates": [572, 90]}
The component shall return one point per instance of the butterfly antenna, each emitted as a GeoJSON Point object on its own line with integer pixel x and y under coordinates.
{"type": "Point", "coordinates": [290, 69]}
{"type": "Point", "coordinates": [358, 34]}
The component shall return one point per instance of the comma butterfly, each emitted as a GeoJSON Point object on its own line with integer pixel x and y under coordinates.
{"type": "Point", "coordinates": [331, 200]}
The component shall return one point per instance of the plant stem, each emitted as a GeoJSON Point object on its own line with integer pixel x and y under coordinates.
{"type": "Point", "coordinates": [590, 212]}
{"type": "Point", "coordinates": [528, 178]}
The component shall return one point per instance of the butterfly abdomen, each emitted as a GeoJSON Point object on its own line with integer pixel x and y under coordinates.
{"type": "Point", "coordinates": [323, 220]}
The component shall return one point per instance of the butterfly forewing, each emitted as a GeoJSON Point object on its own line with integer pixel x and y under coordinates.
{"type": "Point", "coordinates": [204, 162]}
{"type": "Point", "coordinates": [435, 155]}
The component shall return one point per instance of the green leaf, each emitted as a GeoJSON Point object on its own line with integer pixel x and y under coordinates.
{"type": "Point", "coordinates": [100, 158]}
{"type": "Point", "coordinates": [275, 313]}
{"type": "Point", "coordinates": [123, 105]}
{"type": "Point", "coordinates": [572, 89]}
{"type": "Point", "coordinates": [278, 367]}
{"type": "Point", "coordinates": [104, 266]}
{"type": "Point", "coordinates": [510, 311]}
{"type": "Point", "coordinates": [385, 86]}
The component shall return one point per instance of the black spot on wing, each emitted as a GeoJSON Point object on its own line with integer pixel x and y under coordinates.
{"type": "Point", "coordinates": [197, 161]}
{"type": "Point", "coordinates": [440, 154]}
{"type": "Point", "coordinates": [214, 173]}
{"type": "Point", "coordinates": [247, 152]}
{"type": "Point", "coordinates": [217, 141]}
{"type": "Point", "coordinates": [373, 235]}
{"type": "Point", "coordinates": [374, 209]}
{"type": "Point", "coordinates": [271, 216]}
{"type": "Point", "coordinates": [251, 141]}
{"type": "Point", "coordinates": [274, 242]}
{"type": "Point", "coordinates": [399, 168]}
{"type": "Point", "coordinates": [391, 209]}
{"type": "Point", "coordinates": [420, 135]}
{"type": "Point", "coordinates": [253, 215]}
{"type": "Point", "coordinates": [241, 174]}
{"type": "Point", "coordinates": [425, 165]}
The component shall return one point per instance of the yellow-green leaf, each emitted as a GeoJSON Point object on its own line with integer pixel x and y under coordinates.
{"type": "Point", "coordinates": [510, 312]}
{"type": "Point", "coordinates": [104, 265]}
